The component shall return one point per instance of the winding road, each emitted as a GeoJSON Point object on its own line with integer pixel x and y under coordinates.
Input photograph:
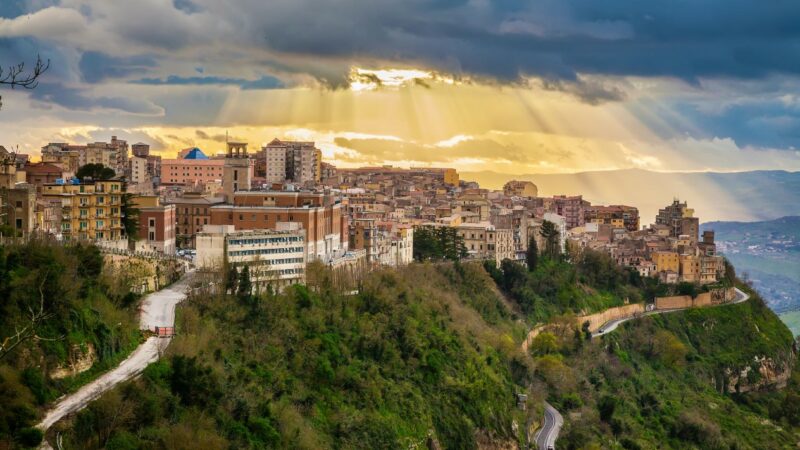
{"type": "Point", "coordinates": [547, 435]}
{"type": "Point", "coordinates": [612, 325]}
{"type": "Point", "coordinates": [553, 421]}
{"type": "Point", "coordinates": [157, 310]}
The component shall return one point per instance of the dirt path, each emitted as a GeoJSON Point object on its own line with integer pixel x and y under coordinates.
{"type": "Point", "coordinates": [158, 309]}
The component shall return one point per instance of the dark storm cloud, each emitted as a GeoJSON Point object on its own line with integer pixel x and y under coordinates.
{"type": "Point", "coordinates": [48, 94]}
{"type": "Point", "coordinates": [96, 66]}
{"type": "Point", "coordinates": [265, 82]}
{"type": "Point", "coordinates": [556, 40]}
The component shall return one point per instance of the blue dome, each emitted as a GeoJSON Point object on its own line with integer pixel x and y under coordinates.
{"type": "Point", "coordinates": [195, 153]}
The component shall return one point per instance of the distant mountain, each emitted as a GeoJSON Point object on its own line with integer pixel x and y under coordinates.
{"type": "Point", "coordinates": [768, 252]}
{"type": "Point", "coordinates": [743, 196]}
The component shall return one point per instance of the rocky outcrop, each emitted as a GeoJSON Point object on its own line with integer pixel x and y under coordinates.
{"type": "Point", "coordinates": [80, 360]}
{"type": "Point", "coordinates": [763, 373]}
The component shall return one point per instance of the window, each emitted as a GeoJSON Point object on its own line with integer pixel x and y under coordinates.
{"type": "Point", "coordinates": [19, 204]}
{"type": "Point", "coordinates": [152, 236]}
{"type": "Point", "coordinates": [152, 222]}
{"type": "Point", "coordinates": [235, 175]}
{"type": "Point", "coordinates": [19, 224]}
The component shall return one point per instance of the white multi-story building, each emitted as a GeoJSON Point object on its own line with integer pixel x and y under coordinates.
{"type": "Point", "coordinates": [294, 161]}
{"type": "Point", "coordinates": [274, 258]}
{"type": "Point", "coordinates": [139, 173]}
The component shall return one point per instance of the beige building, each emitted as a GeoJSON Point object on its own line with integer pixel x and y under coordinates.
{"type": "Point", "coordinates": [292, 161]}
{"type": "Point", "coordinates": [237, 170]}
{"type": "Point", "coordinates": [666, 262]}
{"type": "Point", "coordinates": [70, 157]}
{"type": "Point", "coordinates": [139, 173]}
{"type": "Point", "coordinates": [274, 258]}
{"type": "Point", "coordinates": [520, 189]}
{"type": "Point", "coordinates": [90, 211]}
{"type": "Point", "coordinates": [484, 241]}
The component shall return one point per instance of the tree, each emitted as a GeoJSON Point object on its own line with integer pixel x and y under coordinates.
{"type": "Point", "coordinates": [130, 217]}
{"type": "Point", "coordinates": [231, 279]}
{"type": "Point", "coordinates": [552, 239]}
{"type": "Point", "coordinates": [544, 343]}
{"type": "Point", "coordinates": [438, 243]}
{"type": "Point", "coordinates": [17, 76]}
{"type": "Point", "coordinates": [245, 285]}
{"type": "Point", "coordinates": [95, 171]}
{"type": "Point", "coordinates": [532, 255]}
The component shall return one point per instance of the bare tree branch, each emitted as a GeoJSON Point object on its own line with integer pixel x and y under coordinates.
{"type": "Point", "coordinates": [29, 330]}
{"type": "Point", "coordinates": [17, 75]}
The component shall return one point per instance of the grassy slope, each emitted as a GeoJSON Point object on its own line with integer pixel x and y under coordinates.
{"type": "Point", "coordinates": [432, 348]}
{"type": "Point", "coordinates": [665, 373]}
{"type": "Point", "coordinates": [424, 350]}
{"type": "Point", "coordinates": [83, 312]}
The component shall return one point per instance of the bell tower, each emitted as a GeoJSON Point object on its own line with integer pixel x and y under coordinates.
{"type": "Point", "coordinates": [236, 171]}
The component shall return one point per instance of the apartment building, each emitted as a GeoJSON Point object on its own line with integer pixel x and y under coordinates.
{"type": "Point", "coordinates": [292, 161]}
{"type": "Point", "coordinates": [71, 157]}
{"type": "Point", "coordinates": [618, 216]}
{"type": "Point", "coordinates": [571, 208]}
{"type": "Point", "coordinates": [192, 213]}
{"type": "Point", "coordinates": [90, 211]}
{"type": "Point", "coordinates": [385, 243]}
{"type": "Point", "coordinates": [516, 188]}
{"type": "Point", "coordinates": [484, 241]}
{"type": "Point", "coordinates": [138, 170]}
{"type": "Point", "coordinates": [323, 225]}
{"type": "Point", "coordinates": [275, 258]}
{"type": "Point", "coordinates": [157, 224]}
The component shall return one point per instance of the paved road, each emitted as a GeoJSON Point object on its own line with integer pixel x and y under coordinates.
{"type": "Point", "coordinates": [612, 325]}
{"type": "Point", "coordinates": [547, 435]}
{"type": "Point", "coordinates": [158, 309]}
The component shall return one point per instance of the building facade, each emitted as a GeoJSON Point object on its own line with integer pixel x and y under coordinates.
{"type": "Point", "coordinates": [157, 224]}
{"type": "Point", "coordinates": [90, 211]}
{"type": "Point", "coordinates": [484, 241]}
{"type": "Point", "coordinates": [275, 258]}
{"type": "Point", "coordinates": [292, 161]}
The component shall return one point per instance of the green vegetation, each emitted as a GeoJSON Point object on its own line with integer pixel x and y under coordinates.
{"type": "Point", "coordinates": [56, 308]}
{"type": "Point", "coordinates": [432, 351]}
{"type": "Point", "coordinates": [130, 217]}
{"type": "Point", "coordinates": [95, 171]}
{"type": "Point", "coordinates": [670, 381]}
{"type": "Point", "coordinates": [438, 244]}
{"type": "Point", "coordinates": [592, 283]}
{"type": "Point", "coordinates": [428, 350]}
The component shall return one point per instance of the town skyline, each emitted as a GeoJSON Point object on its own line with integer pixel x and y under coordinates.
{"type": "Point", "coordinates": [455, 86]}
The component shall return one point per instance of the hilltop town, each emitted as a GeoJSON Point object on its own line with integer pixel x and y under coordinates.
{"type": "Point", "coordinates": [280, 207]}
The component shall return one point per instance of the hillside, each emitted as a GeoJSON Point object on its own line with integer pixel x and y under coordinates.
{"type": "Point", "coordinates": [432, 352]}
{"type": "Point", "coordinates": [768, 254]}
{"type": "Point", "coordinates": [757, 195]}
{"type": "Point", "coordinates": [84, 324]}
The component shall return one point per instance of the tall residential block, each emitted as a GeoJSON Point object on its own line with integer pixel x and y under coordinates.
{"type": "Point", "coordinates": [90, 211]}
{"type": "Point", "coordinates": [70, 157]}
{"type": "Point", "coordinates": [292, 161]}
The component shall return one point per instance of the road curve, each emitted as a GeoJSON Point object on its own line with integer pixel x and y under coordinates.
{"type": "Point", "coordinates": [612, 325]}
{"type": "Point", "coordinates": [158, 309]}
{"type": "Point", "coordinates": [547, 435]}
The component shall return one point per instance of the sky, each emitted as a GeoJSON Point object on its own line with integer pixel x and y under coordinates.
{"type": "Point", "coordinates": [510, 86]}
